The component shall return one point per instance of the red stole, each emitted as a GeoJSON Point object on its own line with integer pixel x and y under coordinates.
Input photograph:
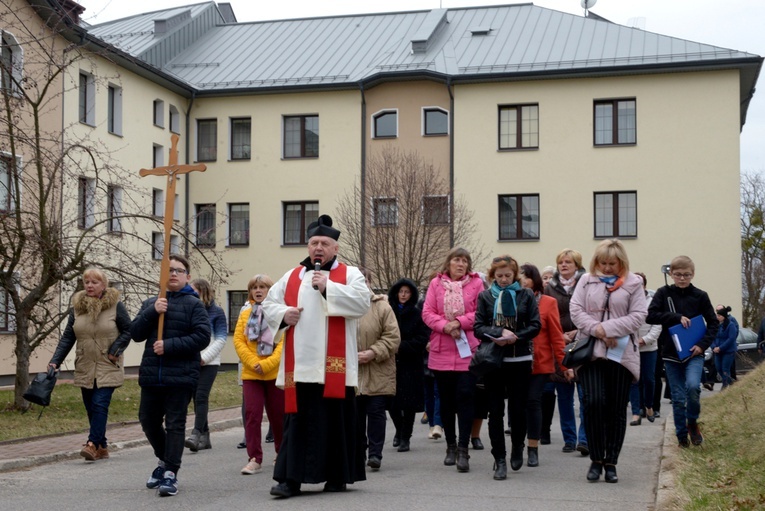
{"type": "Point", "coordinates": [334, 370]}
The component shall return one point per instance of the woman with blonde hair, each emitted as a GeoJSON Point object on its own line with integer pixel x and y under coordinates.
{"type": "Point", "coordinates": [100, 326]}
{"type": "Point", "coordinates": [210, 362]}
{"type": "Point", "coordinates": [608, 307]}
{"type": "Point", "coordinates": [260, 354]}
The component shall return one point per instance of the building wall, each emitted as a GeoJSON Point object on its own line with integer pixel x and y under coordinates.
{"type": "Point", "coordinates": [684, 168]}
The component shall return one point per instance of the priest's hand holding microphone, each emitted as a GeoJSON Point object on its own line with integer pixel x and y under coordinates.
{"type": "Point", "coordinates": [319, 280]}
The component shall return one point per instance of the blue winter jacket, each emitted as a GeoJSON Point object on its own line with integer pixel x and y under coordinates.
{"type": "Point", "coordinates": [726, 336]}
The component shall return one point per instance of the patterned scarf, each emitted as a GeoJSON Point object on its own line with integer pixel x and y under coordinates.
{"type": "Point", "coordinates": [505, 303]}
{"type": "Point", "coordinates": [454, 304]}
{"type": "Point", "coordinates": [257, 330]}
{"type": "Point", "coordinates": [612, 282]}
{"type": "Point", "coordinates": [567, 283]}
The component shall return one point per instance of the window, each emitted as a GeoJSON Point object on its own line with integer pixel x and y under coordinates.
{"type": "Point", "coordinates": [86, 192]}
{"type": "Point", "coordinates": [297, 218]}
{"type": "Point", "coordinates": [240, 139]}
{"type": "Point", "coordinates": [519, 127]}
{"type": "Point", "coordinates": [435, 121]}
{"type": "Point", "coordinates": [435, 210]}
{"type": "Point", "coordinates": [177, 208]}
{"type": "Point", "coordinates": [11, 62]}
{"type": "Point", "coordinates": [158, 203]}
{"type": "Point", "coordinates": [205, 225]}
{"type": "Point", "coordinates": [175, 120]}
{"type": "Point", "coordinates": [519, 217]}
{"type": "Point", "coordinates": [114, 114]}
{"type": "Point", "coordinates": [7, 310]}
{"type": "Point", "coordinates": [616, 129]}
{"type": "Point", "coordinates": [384, 211]}
{"type": "Point", "coordinates": [207, 139]}
{"type": "Point", "coordinates": [7, 186]}
{"type": "Point", "coordinates": [159, 113]}
{"type": "Point", "coordinates": [385, 124]}
{"type": "Point", "coordinates": [158, 156]}
{"type": "Point", "coordinates": [236, 300]}
{"type": "Point", "coordinates": [158, 245]}
{"type": "Point", "coordinates": [87, 90]}
{"type": "Point", "coordinates": [238, 224]}
{"type": "Point", "coordinates": [615, 214]}
{"type": "Point", "coordinates": [301, 136]}
{"type": "Point", "coordinates": [114, 209]}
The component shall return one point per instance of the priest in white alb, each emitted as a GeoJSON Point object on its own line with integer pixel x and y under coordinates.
{"type": "Point", "coordinates": [318, 305]}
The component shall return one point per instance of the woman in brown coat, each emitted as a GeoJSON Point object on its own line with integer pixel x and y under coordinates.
{"type": "Point", "coordinates": [100, 326]}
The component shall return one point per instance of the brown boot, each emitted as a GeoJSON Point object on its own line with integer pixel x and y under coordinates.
{"type": "Point", "coordinates": [89, 452]}
{"type": "Point", "coordinates": [102, 453]}
{"type": "Point", "coordinates": [462, 459]}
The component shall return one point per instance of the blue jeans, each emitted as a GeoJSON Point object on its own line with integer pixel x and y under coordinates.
{"type": "Point", "coordinates": [684, 380]}
{"type": "Point", "coordinates": [567, 415]}
{"type": "Point", "coordinates": [432, 402]}
{"type": "Point", "coordinates": [723, 364]}
{"type": "Point", "coordinates": [641, 393]}
{"type": "Point", "coordinates": [96, 401]}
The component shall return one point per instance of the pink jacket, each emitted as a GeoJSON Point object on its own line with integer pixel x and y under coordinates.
{"type": "Point", "coordinates": [444, 355]}
{"type": "Point", "coordinates": [627, 310]}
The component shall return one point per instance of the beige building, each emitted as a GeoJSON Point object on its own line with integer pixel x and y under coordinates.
{"type": "Point", "coordinates": [550, 146]}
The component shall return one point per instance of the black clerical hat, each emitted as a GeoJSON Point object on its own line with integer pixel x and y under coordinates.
{"type": "Point", "coordinates": [323, 227]}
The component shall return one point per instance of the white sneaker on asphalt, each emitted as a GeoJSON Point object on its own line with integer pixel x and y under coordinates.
{"type": "Point", "coordinates": [436, 432]}
{"type": "Point", "coordinates": [251, 467]}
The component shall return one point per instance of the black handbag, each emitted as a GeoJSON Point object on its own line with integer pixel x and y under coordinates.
{"type": "Point", "coordinates": [40, 389]}
{"type": "Point", "coordinates": [579, 352]}
{"type": "Point", "coordinates": [487, 358]}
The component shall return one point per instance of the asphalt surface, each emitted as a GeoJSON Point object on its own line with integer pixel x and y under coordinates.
{"type": "Point", "coordinates": [49, 474]}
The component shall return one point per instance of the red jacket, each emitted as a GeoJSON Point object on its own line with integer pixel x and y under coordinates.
{"type": "Point", "coordinates": [550, 339]}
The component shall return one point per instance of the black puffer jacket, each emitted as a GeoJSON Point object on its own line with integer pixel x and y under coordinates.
{"type": "Point", "coordinates": [527, 326]}
{"type": "Point", "coordinates": [186, 333]}
{"type": "Point", "coordinates": [415, 334]}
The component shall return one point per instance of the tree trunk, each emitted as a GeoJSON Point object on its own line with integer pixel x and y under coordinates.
{"type": "Point", "coordinates": [22, 352]}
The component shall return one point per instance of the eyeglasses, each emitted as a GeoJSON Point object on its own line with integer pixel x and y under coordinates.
{"type": "Point", "coordinates": [682, 275]}
{"type": "Point", "coordinates": [178, 271]}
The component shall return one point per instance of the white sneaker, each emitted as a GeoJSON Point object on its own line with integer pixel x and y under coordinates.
{"type": "Point", "coordinates": [251, 467]}
{"type": "Point", "coordinates": [436, 432]}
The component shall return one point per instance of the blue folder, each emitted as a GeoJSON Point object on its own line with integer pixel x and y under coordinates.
{"type": "Point", "coordinates": [685, 338]}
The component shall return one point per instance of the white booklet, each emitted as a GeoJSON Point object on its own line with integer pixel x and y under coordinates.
{"type": "Point", "coordinates": [463, 345]}
{"type": "Point", "coordinates": [617, 352]}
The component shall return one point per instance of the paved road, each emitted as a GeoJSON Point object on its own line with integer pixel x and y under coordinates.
{"type": "Point", "coordinates": [407, 481]}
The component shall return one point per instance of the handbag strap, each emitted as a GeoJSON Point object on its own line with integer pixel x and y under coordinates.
{"type": "Point", "coordinates": [605, 307]}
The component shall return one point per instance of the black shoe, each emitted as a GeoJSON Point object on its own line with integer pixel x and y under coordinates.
{"type": "Point", "coordinates": [403, 446]}
{"type": "Point", "coordinates": [396, 441]}
{"type": "Point", "coordinates": [683, 442]}
{"type": "Point", "coordinates": [696, 437]}
{"type": "Point", "coordinates": [270, 439]}
{"type": "Point", "coordinates": [500, 469]}
{"type": "Point", "coordinates": [642, 413]}
{"type": "Point", "coordinates": [477, 444]}
{"type": "Point", "coordinates": [424, 419]}
{"type": "Point", "coordinates": [462, 460]}
{"type": "Point", "coordinates": [374, 462]}
{"type": "Point", "coordinates": [334, 487]}
{"type": "Point", "coordinates": [545, 440]}
{"type": "Point", "coordinates": [651, 417]}
{"type": "Point", "coordinates": [508, 431]}
{"type": "Point", "coordinates": [533, 454]}
{"type": "Point", "coordinates": [636, 422]}
{"type": "Point", "coordinates": [709, 386]}
{"type": "Point", "coordinates": [451, 455]}
{"type": "Point", "coordinates": [516, 457]}
{"type": "Point", "coordinates": [611, 476]}
{"type": "Point", "coordinates": [582, 448]}
{"type": "Point", "coordinates": [568, 448]}
{"type": "Point", "coordinates": [596, 468]}
{"type": "Point", "coordinates": [286, 490]}
{"type": "Point", "coordinates": [241, 445]}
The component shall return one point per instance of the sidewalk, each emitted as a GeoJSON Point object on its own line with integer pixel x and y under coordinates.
{"type": "Point", "coordinates": [22, 454]}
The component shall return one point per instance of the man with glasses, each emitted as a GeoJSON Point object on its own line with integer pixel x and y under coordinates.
{"type": "Point", "coordinates": [169, 370]}
{"type": "Point", "coordinates": [678, 304]}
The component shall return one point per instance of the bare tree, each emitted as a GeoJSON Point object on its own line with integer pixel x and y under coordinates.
{"type": "Point", "coordinates": [753, 247]}
{"type": "Point", "coordinates": [409, 211]}
{"type": "Point", "coordinates": [45, 240]}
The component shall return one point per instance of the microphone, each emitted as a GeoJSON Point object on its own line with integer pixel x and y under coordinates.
{"type": "Point", "coordinates": [316, 268]}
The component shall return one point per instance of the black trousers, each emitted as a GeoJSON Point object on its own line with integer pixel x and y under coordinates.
{"type": "Point", "coordinates": [511, 380]}
{"type": "Point", "coordinates": [456, 390]}
{"type": "Point", "coordinates": [168, 405]}
{"type": "Point", "coordinates": [534, 406]}
{"type": "Point", "coordinates": [207, 376]}
{"type": "Point", "coordinates": [606, 389]}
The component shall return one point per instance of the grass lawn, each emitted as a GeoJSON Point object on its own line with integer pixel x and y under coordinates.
{"type": "Point", "coordinates": [67, 413]}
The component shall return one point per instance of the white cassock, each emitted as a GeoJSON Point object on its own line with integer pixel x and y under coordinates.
{"type": "Point", "coordinates": [350, 300]}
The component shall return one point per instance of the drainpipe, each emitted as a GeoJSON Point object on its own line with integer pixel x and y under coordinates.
{"type": "Point", "coordinates": [363, 177]}
{"type": "Point", "coordinates": [451, 160]}
{"type": "Point", "coordinates": [187, 186]}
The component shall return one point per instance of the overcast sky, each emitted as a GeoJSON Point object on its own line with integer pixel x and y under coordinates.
{"type": "Point", "coordinates": [735, 24]}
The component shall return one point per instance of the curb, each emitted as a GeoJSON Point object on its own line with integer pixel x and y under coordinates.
{"type": "Point", "coordinates": [665, 490]}
{"type": "Point", "coordinates": [33, 461]}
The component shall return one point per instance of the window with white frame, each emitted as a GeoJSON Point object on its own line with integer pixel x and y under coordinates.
{"type": "Point", "coordinates": [518, 126]}
{"type": "Point", "coordinates": [239, 224]}
{"type": "Point", "coordinates": [236, 300]}
{"type": "Point", "coordinates": [297, 217]}
{"type": "Point", "coordinates": [8, 171]}
{"type": "Point", "coordinates": [435, 121]}
{"type": "Point", "coordinates": [205, 225]}
{"type": "Point", "coordinates": [615, 122]}
{"type": "Point", "coordinates": [114, 110]}
{"type": "Point", "coordinates": [240, 138]}
{"type": "Point", "coordinates": [157, 156]}
{"type": "Point", "coordinates": [175, 119]}
{"type": "Point", "coordinates": [384, 211]}
{"type": "Point", "coordinates": [158, 116]}
{"type": "Point", "coordinates": [114, 209]}
{"type": "Point", "coordinates": [207, 139]}
{"type": "Point", "coordinates": [11, 62]}
{"type": "Point", "coordinates": [158, 203]}
{"type": "Point", "coordinates": [519, 217]}
{"type": "Point", "coordinates": [435, 210]}
{"type": "Point", "coordinates": [87, 101]}
{"type": "Point", "coordinates": [86, 198]}
{"type": "Point", "coordinates": [385, 124]}
{"type": "Point", "coordinates": [615, 214]}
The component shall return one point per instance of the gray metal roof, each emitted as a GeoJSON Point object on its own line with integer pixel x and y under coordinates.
{"type": "Point", "coordinates": [473, 43]}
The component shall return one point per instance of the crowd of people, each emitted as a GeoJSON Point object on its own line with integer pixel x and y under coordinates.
{"type": "Point", "coordinates": [327, 358]}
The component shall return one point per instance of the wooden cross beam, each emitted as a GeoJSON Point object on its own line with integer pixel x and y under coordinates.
{"type": "Point", "coordinates": [171, 171]}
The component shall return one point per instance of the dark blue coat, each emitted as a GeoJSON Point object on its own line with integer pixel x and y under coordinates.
{"type": "Point", "coordinates": [186, 333]}
{"type": "Point", "coordinates": [726, 336]}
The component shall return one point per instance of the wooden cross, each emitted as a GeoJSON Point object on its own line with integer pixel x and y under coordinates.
{"type": "Point", "coordinates": [171, 171]}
